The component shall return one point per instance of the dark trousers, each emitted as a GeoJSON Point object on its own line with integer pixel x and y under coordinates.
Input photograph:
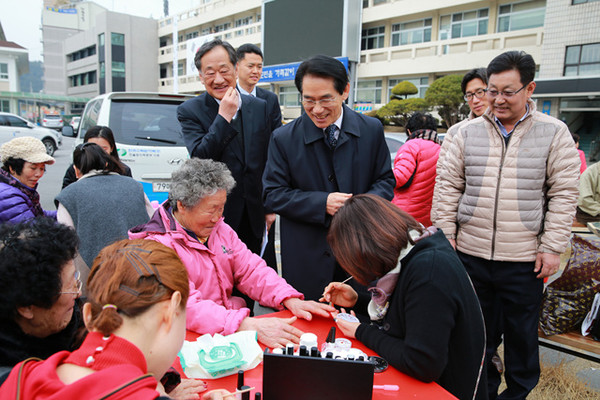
{"type": "Point", "coordinates": [244, 232]}
{"type": "Point", "coordinates": [512, 288]}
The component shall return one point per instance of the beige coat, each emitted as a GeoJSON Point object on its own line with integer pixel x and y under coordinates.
{"type": "Point", "coordinates": [509, 202]}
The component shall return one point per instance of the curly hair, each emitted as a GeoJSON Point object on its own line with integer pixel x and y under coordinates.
{"type": "Point", "coordinates": [198, 178]}
{"type": "Point", "coordinates": [130, 276]}
{"type": "Point", "coordinates": [32, 257]}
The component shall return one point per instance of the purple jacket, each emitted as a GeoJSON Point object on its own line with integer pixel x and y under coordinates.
{"type": "Point", "coordinates": [15, 206]}
{"type": "Point", "coordinates": [214, 270]}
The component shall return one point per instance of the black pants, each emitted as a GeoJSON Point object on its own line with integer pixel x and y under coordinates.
{"type": "Point", "coordinates": [512, 288]}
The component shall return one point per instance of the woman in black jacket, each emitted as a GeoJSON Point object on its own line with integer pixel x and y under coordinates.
{"type": "Point", "coordinates": [423, 315]}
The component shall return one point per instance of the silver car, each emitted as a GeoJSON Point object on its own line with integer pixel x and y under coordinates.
{"type": "Point", "coordinates": [52, 121]}
{"type": "Point", "coordinates": [12, 126]}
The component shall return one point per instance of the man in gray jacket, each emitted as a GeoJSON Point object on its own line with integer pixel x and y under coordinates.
{"type": "Point", "coordinates": [507, 197]}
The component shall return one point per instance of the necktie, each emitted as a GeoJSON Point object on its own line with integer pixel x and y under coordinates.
{"type": "Point", "coordinates": [331, 139]}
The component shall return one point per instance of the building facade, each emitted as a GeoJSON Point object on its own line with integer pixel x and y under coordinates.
{"type": "Point", "coordinates": [14, 62]}
{"type": "Point", "coordinates": [89, 50]}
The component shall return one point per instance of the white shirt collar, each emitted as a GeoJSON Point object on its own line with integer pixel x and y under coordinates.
{"type": "Point", "coordinates": [338, 124]}
{"type": "Point", "coordinates": [243, 91]}
{"type": "Point", "coordinates": [239, 101]}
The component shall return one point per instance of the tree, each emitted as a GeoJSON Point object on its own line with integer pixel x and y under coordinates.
{"type": "Point", "coordinates": [403, 88]}
{"type": "Point", "coordinates": [399, 110]}
{"type": "Point", "coordinates": [446, 96]}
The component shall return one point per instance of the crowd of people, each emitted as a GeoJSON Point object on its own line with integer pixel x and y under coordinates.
{"type": "Point", "coordinates": [447, 249]}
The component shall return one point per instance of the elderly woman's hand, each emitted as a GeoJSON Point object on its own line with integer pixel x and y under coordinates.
{"type": "Point", "coordinates": [273, 332]}
{"type": "Point", "coordinates": [305, 309]}
{"type": "Point", "coordinates": [339, 294]}
{"type": "Point", "coordinates": [347, 328]}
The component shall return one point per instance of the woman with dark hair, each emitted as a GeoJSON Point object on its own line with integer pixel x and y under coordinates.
{"type": "Point", "coordinates": [24, 161]}
{"type": "Point", "coordinates": [103, 137]}
{"type": "Point", "coordinates": [135, 316]}
{"type": "Point", "coordinates": [102, 205]}
{"type": "Point", "coordinates": [415, 168]}
{"type": "Point", "coordinates": [424, 316]}
{"type": "Point", "coordinates": [39, 312]}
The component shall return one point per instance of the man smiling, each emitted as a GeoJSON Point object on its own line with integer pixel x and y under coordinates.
{"type": "Point", "coordinates": [507, 198]}
{"type": "Point", "coordinates": [315, 164]}
{"type": "Point", "coordinates": [224, 125]}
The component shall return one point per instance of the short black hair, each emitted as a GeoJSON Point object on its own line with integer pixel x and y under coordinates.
{"type": "Point", "coordinates": [248, 48]}
{"type": "Point", "coordinates": [514, 60]}
{"type": "Point", "coordinates": [32, 257]}
{"type": "Point", "coordinates": [208, 46]}
{"type": "Point", "coordinates": [475, 73]}
{"type": "Point", "coordinates": [419, 121]}
{"type": "Point", "coordinates": [324, 67]}
{"type": "Point", "coordinates": [16, 164]}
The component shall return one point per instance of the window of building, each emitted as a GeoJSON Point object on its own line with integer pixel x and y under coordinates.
{"type": "Point", "coordinates": [117, 39]}
{"type": "Point", "coordinates": [422, 83]}
{"type": "Point", "coordinates": [368, 91]}
{"type": "Point", "coordinates": [582, 60]}
{"type": "Point", "coordinates": [222, 27]}
{"type": "Point", "coordinates": [463, 24]}
{"type": "Point", "coordinates": [575, 2]}
{"type": "Point", "coordinates": [191, 35]}
{"type": "Point", "coordinates": [102, 70]}
{"type": "Point", "coordinates": [101, 39]}
{"type": "Point", "coordinates": [515, 16]}
{"type": "Point", "coordinates": [87, 78]}
{"type": "Point", "coordinates": [118, 69]}
{"type": "Point", "coordinates": [411, 32]}
{"type": "Point", "coordinates": [243, 21]}
{"type": "Point", "coordinates": [3, 71]}
{"type": "Point", "coordinates": [180, 69]}
{"type": "Point", "coordinates": [4, 106]}
{"type": "Point", "coordinates": [289, 96]}
{"type": "Point", "coordinates": [83, 53]}
{"type": "Point", "coordinates": [372, 38]}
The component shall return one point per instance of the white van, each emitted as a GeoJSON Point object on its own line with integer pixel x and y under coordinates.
{"type": "Point", "coordinates": [147, 134]}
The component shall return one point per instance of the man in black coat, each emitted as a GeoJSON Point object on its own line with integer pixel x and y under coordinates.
{"type": "Point", "coordinates": [224, 125]}
{"type": "Point", "coordinates": [249, 67]}
{"type": "Point", "coordinates": [315, 164]}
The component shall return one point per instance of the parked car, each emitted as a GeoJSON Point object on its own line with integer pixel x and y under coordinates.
{"type": "Point", "coordinates": [75, 123]}
{"type": "Point", "coordinates": [53, 121]}
{"type": "Point", "coordinates": [147, 134]}
{"type": "Point", "coordinates": [12, 126]}
{"type": "Point", "coordinates": [394, 141]}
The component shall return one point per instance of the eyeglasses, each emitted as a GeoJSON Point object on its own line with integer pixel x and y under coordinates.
{"type": "Point", "coordinates": [479, 93]}
{"type": "Point", "coordinates": [323, 102]}
{"type": "Point", "coordinates": [506, 93]}
{"type": "Point", "coordinates": [78, 284]}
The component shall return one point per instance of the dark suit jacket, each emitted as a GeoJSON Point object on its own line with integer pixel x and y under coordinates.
{"type": "Point", "coordinates": [272, 106]}
{"type": "Point", "coordinates": [209, 135]}
{"type": "Point", "coordinates": [302, 170]}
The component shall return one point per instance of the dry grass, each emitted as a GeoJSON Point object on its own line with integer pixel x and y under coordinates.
{"type": "Point", "coordinates": [559, 382]}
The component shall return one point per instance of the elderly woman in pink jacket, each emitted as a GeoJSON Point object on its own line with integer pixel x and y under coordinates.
{"type": "Point", "coordinates": [415, 168]}
{"type": "Point", "coordinates": [191, 223]}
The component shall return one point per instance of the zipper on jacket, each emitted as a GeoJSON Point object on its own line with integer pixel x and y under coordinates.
{"type": "Point", "coordinates": [496, 198]}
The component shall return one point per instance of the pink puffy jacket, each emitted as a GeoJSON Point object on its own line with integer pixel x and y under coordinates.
{"type": "Point", "coordinates": [421, 154]}
{"type": "Point", "coordinates": [214, 271]}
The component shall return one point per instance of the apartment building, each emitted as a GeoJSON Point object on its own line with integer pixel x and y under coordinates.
{"type": "Point", "coordinates": [89, 50]}
{"type": "Point", "coordinates": [14, 62]}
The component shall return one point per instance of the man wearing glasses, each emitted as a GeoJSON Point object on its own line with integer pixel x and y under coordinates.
{"type": "Point", "coordinates": [315, 164]}
{"type": "Point", "coordinates": [507, 197]}
{"type": "Point", "coordinates": [224, 125]}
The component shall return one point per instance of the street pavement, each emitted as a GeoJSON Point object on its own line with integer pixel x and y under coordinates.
{"type": "Point", "coordinates": [51, 183]}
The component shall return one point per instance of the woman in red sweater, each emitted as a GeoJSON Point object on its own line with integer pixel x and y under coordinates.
{"type": "Point", "coordinates": [415, 166]}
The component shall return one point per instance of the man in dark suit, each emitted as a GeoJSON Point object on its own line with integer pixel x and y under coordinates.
{"type": "Point", "coordinates": [249, 67]}
{"type": "Point", "coordinates": [224, 125]}
{"type": "Point", "coordinates": [315, 164]}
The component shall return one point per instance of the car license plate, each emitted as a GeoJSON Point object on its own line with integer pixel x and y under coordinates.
{"type": "Point", "coordinates": [161, 186]}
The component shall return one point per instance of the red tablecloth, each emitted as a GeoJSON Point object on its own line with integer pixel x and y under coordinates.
{"type": "Point", "coordinates": [410, 388]}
